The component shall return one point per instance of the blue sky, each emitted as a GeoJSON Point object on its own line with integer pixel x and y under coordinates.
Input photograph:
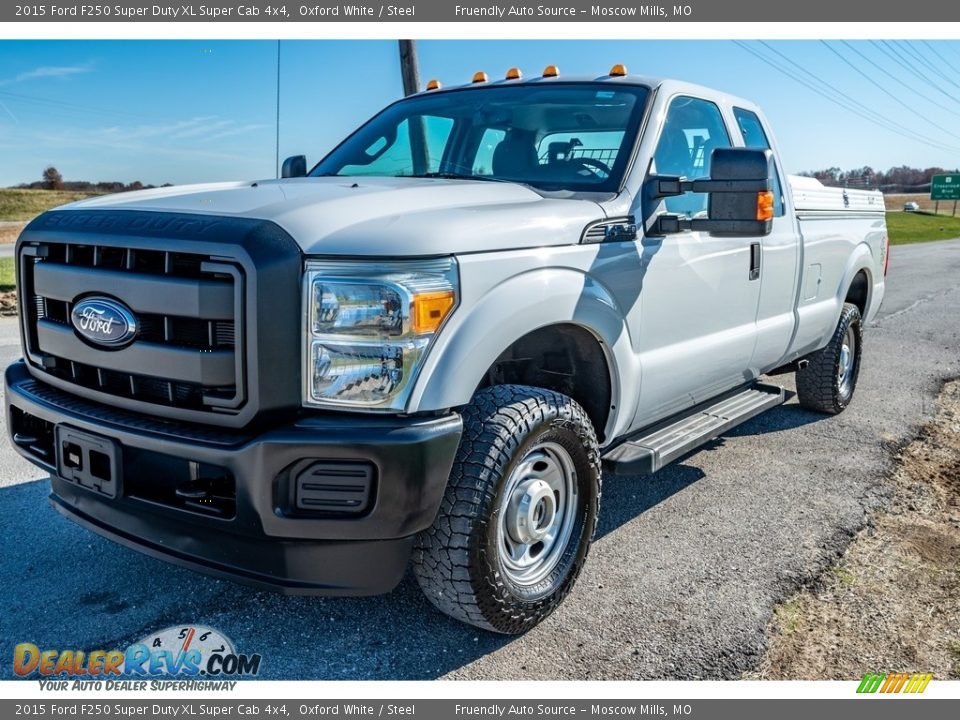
{"type": "Point", "coordinates": [189, 111]}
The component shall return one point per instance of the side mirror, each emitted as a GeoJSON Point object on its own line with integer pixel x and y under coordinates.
{"type": "Point", "coordinates": [294, 166]}
{"type": "Point", "coordinates": [740, 195]}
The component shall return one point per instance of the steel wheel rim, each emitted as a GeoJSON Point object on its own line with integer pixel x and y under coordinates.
{"type": "Point", "coordinates": [848, 359]}
{"type": "Point", "coordinates": [537, 513]}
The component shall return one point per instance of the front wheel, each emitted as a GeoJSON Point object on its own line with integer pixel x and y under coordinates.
{"type": "Point", "coordinates": [519, 511]}
{"type": "Point", "coordinates": [827, 383]}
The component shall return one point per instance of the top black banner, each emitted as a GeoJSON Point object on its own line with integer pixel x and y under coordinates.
{"type": "Point", "coordinates": [480, 11]}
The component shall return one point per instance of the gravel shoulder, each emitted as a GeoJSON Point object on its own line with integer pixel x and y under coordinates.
{"type": "Point", "coordinates": [892, 602]}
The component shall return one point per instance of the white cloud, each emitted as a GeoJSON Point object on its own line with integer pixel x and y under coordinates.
{"type": "Point", "coordinates": [54, 72]}
{"type": "Point", "coordinates": [48, 71]}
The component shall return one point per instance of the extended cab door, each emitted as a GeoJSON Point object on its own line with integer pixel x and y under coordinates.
{"type": "Point", "coordinates": [779, 259]}
{"type": "Point", "coordinates": [696, 329]}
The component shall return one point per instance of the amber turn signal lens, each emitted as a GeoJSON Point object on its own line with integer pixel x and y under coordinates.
{"type": "Point", "coordinates": [618, 70]}
{"type": "Point", "coordinates": [430, 309]}
{"type": "Point", "coordinates": [479, 77]}
{"type": "Point", "coordinates": [764, 206]}
{"type": "Point", "coordinates": [433, 85]}
{"type": "Point", "coordinates": [514, 74]}
{"type": "Point", "coordinates": [551, 71]}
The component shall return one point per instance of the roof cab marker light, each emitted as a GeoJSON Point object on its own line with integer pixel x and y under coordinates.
{"type": "Point", "coordinates": [551, 71]}
{"type": "Point", "coordinates": [514, 74]}
{"type": "Point", "coordinates": [434, 85]}
{"type": "Point", "coordinates": [618, 70]}
{"type": "Point", "coordinates": [480, 77]}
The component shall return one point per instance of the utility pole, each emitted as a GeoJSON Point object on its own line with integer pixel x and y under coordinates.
{"type": "Point", "coordinates": [409, 67]}
{"type": "Point", "coordinates": [410, 74]}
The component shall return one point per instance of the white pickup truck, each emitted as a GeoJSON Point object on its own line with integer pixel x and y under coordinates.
{"type": "Point", "coordinates": [423, 349]}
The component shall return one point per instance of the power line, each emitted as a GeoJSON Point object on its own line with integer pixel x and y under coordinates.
{"type": "Point", "coordinates": [907, 47]}
{"type": "Point", "coordinates": [897, 80]}
{"type": "Point", "coordinates": [67, 105]}
{"type": "Point", "coordinates": [886, 92]}
{"type": "Point", "coordinates": [890, 126]}
{"type": "Point", "coordinates": [891, 51]}
{"type": "Point", "coordinates": [945, 61]}
{"type": "Point", "coordinates": [816, 85]}
{"type": "Point", "coordinates": [277, 145]}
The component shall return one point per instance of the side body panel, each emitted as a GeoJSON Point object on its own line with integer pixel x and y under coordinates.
{"type": "Point", "coordinates": [836, 246]}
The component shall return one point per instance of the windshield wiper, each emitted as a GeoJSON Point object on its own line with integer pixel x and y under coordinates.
{"type": "Point", "coordinates": [459, 176]}
{"type": "Point", "coordinates": [454, 176]}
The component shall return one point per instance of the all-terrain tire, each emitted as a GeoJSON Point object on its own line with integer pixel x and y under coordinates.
{"type": "Point", "coordinates": [458, 561]}
{"type": "Point", "coordinates": [820, 385]}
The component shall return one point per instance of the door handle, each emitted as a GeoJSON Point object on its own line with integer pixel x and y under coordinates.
{"type": "Point", "coordinates": [754, 260]}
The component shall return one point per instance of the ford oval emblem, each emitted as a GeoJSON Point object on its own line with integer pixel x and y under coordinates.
{"type": "Point", "coordinates": [103, 321]}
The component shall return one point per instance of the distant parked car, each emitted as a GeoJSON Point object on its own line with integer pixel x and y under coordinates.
{"type": "Point", "coordinates": [911, 207]}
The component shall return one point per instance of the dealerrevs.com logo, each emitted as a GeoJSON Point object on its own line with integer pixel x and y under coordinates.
{"type": "Point", "coordinates": [190, 652]}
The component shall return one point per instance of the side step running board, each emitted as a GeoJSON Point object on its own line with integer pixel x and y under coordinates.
{"type": "Point", "coordinates": [662, 444]}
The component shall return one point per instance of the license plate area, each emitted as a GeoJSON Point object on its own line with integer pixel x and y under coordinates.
{"type": "Point", "coordinates": [87, 460]}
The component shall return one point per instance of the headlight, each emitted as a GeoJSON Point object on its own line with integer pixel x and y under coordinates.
{"type": "Point", "coordinates": [368, 327]}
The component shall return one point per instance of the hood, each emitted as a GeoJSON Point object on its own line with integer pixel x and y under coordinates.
{"type": "Point", "coordinates": [379, 216]}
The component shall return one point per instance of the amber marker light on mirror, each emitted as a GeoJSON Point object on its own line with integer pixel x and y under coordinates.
{"type": "Point", "coordinates": [764, 206]}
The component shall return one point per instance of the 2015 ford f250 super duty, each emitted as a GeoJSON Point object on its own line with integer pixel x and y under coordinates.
{"type": "Point", "coordinates": [424, 349]}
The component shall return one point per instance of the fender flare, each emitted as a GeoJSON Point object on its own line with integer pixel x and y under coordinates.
{"type": "Point", "coordinates": [481, 329]}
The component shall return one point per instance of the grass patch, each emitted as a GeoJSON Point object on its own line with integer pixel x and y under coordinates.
{"type": "Point", "coordinates": [8, 280]}
{"type": "Point", "coordinates": [789, 616]}
{"type": "Point", "coordinates": [916, 227]}
{"type": "Point", "coordinates": [843, 576]}
{"type": "Point", "coordinates": [17, 204]}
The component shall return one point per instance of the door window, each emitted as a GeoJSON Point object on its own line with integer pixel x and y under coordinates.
{"type": "Point", "coordinates": [754, 136]}
{"type": "Point", "coordinates": [692, 130]}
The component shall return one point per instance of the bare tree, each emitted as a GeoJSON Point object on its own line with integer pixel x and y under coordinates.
{"type": "Point", "coordinates": [52, 179]}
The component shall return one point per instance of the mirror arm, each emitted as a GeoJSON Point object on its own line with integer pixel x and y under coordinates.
{"type": "Point", "coordinates": [672, 186]}
{"type": "Point", "coordinates": [670, 224]}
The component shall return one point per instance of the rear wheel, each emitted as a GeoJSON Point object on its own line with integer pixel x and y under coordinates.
{"type": "Point", "coordinates": [828, 381]}
{"type": "Point", "coordinates": [519, 511]}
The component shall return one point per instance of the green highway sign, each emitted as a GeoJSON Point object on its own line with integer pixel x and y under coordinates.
{"type": "Point", "coordinates": [945, 187]}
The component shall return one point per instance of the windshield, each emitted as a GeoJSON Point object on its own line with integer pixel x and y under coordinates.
{"type": "Point", "coordinates": [574, 136]}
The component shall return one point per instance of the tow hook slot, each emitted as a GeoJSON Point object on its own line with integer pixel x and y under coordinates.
{"type": "Point", "coordinates": [213, 495]}
{"type": "Point", "coordinates": [87, 460]}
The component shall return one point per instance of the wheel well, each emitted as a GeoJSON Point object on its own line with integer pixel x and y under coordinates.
{"type": "Point", "coordinates": [565, 358]}
{"type": "Point", "coordinates": [859, 291]}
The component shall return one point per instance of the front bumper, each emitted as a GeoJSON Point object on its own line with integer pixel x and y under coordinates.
{"type": "Point", "coordinates": [262, 540]}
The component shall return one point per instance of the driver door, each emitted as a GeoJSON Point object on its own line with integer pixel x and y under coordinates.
{"type": "Point", "coordinates": [697, 323]}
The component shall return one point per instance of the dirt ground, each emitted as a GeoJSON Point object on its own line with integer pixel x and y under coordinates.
{"type": "Point", "coordinates": [8, 303]}
{"type": "Point", "coordinates": [892, 602]}
{"type": "Point", "coordinates": [10, 233]}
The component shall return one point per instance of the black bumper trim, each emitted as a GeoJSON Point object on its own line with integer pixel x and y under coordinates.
{"type": "Point", "coordinates": [265, 544]}
{"type": "Point", "coordinates": [291, 568]}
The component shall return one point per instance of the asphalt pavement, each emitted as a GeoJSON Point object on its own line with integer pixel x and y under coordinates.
{"type": "Point", "coordinates": [682, 580]}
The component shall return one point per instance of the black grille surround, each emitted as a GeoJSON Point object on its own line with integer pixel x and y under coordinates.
{"type": "Point", "coordinates": [217, 302]}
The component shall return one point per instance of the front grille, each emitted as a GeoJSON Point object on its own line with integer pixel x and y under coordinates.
{"type": "Point", "coordinates": [187, 351]}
